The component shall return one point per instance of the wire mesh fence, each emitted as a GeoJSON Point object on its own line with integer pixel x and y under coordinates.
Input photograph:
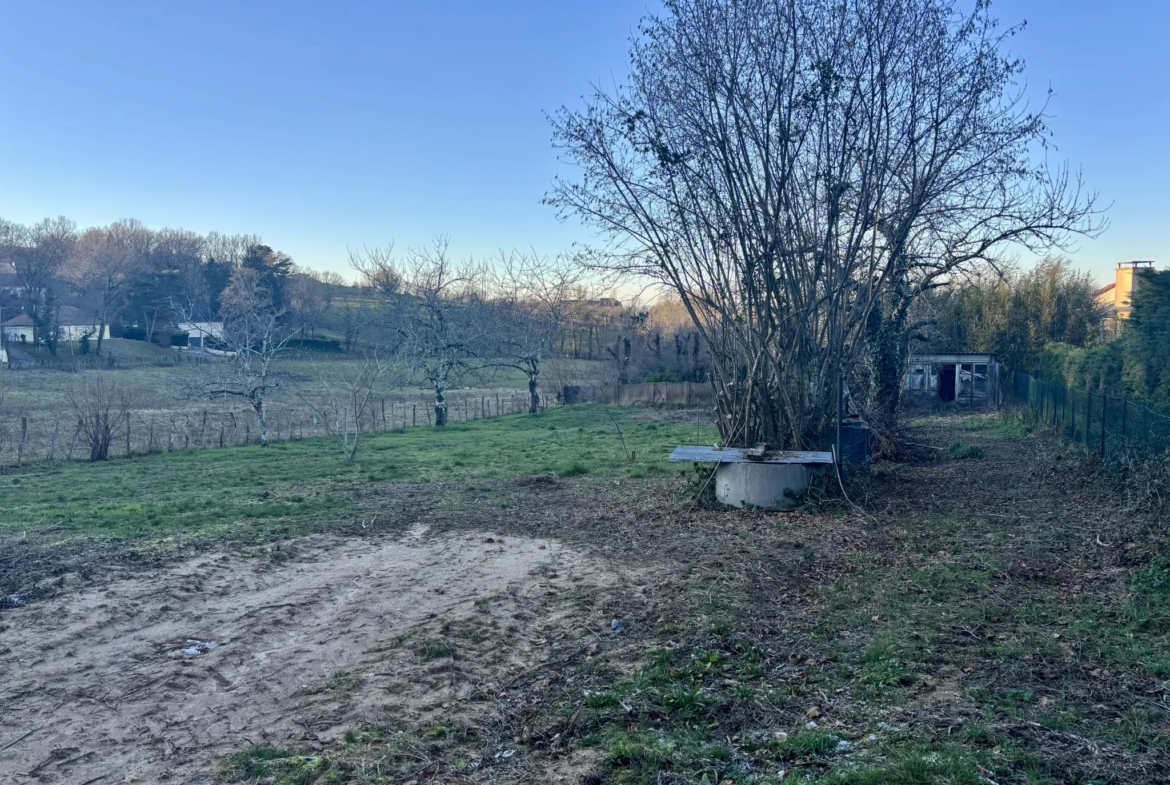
{"type": "Point", "coordinates": [1103, 423]}
{"type": "Point", "coordinates": [40, 436]}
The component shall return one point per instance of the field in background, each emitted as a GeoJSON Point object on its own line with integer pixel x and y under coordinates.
{"type": "Point", "coordinates": [166, 416]}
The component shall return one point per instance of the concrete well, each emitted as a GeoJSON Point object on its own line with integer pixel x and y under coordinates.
{"type": "Point", "coordinates": [773, 486]}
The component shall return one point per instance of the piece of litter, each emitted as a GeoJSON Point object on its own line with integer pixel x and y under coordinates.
{"type": "Point", "coordinates": [810, 724]}
{"type": "Point", "coordinates": [871, 738]}
{"type": "Point", "coordinates": [194, 647]}
{"type": "Point", "coordinates": [780, 735]}
{"type": "Point", "coordinates": [616, 625]}
{"type": "Point", "coordinates": [844, 746]}
{"type": "Point", "coordinates": [504, 754]}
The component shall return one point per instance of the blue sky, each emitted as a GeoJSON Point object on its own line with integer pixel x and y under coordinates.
{"type": "Point", "coordinates": [319, 125]}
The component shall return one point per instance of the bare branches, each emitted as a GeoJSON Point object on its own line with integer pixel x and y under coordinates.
{"type": "Point", "coordinates": [435, 308]}
{"type": "Point", "coordinates": [348, 400]}
{"type": "Point", "coordinates": [787, 167]}
{"type": "Point", "coordinates": [255, 333]}
{"type": "Point", "coordinates": [102, 407]}
{"type": "Point", "coordinates": [532, 297]}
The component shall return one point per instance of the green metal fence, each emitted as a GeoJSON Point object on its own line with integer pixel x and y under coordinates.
{"type": "Point", "coordinates": [1103, 423]}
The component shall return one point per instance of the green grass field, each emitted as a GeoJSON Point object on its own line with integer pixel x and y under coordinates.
{"type": "Point", "coordinates": [293, 484]}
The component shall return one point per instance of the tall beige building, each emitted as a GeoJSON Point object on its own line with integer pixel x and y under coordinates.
{"type": "Point", "coordinates": [1116, 296]}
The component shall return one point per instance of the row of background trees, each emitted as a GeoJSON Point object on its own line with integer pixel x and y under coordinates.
{"type": "Point", "coordinates": [420, 316]}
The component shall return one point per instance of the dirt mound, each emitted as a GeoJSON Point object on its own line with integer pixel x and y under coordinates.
{"type": "Point", "coordinates": [162, 675]}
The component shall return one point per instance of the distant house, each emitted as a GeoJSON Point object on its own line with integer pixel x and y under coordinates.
{"type": "Point", "coordinates": [199, 332]}
{"type": "Point", "coordinates": [18, 329]}
{"type": "Point", "coordinates": [72, 325]}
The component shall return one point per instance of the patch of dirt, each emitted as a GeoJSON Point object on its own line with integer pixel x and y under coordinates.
{"type": "Point", "coordinates": [159, 675]}
{"type": "Point", "coordinates": [540, 482]}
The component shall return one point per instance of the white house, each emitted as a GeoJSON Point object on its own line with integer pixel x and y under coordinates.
{"type": "Point", "coordinates": [72, 325]}
{"type": "Point", "coordinates": [18, 329]}
{"type": "Point", "coordinates": [199, 332]}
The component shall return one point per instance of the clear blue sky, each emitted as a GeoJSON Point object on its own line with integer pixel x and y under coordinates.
{"type": "Point", "coordinates": [319, 125]}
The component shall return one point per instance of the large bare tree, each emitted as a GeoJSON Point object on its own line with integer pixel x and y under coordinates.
{"type": "Point", "coordinates": [787, 168]}
{"type": "Point", "coordinates": [97, 271]}
{"type": "Point", "coordinates": [433, 306]}
{"type": "Point", "coordinates": [37, 253]}
{"type": "Point", "coordinates": [532, 297]}
{"type": "Point", "coordinates": [255, 334]}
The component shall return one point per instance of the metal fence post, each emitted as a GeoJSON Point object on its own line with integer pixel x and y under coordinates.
{"type": "Point", "coordinates": [1124, 422]}
{"type": "Point", "coordinates": [1088, 418]}
{"type": "Point", "coordinates": [1104, 404]}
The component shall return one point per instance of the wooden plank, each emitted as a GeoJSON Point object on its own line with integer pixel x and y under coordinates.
{"type": "Point", "coordinates": [688, 453]}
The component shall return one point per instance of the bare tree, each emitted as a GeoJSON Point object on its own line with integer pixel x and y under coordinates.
{"type": "Point", "coordinates": [438, 317]}
{"type": "Point", "coordinates": [348, 400]}
{"type": "Point", "coordinates": [531, 299]}
{"type": "Point", "coordinates": [311, 297]}
{"type": "Point", "coordinates": [785, 167]}
{"type": "Point", "coordinates": [102, 406]}
{"type": "Point", "coordinates": [37, 253]}
{"type": "Point", "coordinates": [97, 271]}
{"type": "Point", "coordinates": [255, 333]}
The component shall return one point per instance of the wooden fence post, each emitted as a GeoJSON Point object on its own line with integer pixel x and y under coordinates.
{"type": "Point", "coordinates": [128, 436]}
{"type": "Point", "coordinates": [73, 441]}
{"type": "Point", "coordinates": [56, 433]}
{"type": "Point", "coordinates": [23, 440]}
{"type": "Point", "coordinates": [413, 415]}
{"type": "Point", "coordinates": [221, 434]}
{"type": "Point", "coordinates": [171, 437]}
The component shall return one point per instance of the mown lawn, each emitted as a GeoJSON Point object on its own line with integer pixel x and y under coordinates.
{"type": "Point", "coordinates": [299, 482]}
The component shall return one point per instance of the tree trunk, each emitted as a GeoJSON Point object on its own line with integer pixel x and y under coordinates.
{"type": "Point", "coordinates": [440, 408]}
{"type": "Point", "coordinates": [533, 395]}
{"type": "Point", "coordinates": [262, 415]}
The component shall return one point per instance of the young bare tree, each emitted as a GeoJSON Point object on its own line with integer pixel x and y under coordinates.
{"type": "Point", "coordinates": [348, 399]}
{"type": "Point", "coordinates": [255, 333]}
{"type": "Point", "coordinates": [438, 317]}
{"type": "Point", "coordinates": [102, 406]}
{"type": "Point", "coordinates": [787, 168]}
{"type": "Point", "coordinates": [531, 300]}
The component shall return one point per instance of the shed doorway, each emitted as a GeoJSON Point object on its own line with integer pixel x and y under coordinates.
{"type": "Point", "coordinates": [946, 383]}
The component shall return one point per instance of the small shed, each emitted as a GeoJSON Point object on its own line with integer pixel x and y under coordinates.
{"type": "Point", "coordinates": [966, 378]}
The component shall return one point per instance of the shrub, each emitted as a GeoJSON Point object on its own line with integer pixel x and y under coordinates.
{"type": "Point", "coordinates": [314, 344]}
{"type": "Point", "coordinates": [965, 451]}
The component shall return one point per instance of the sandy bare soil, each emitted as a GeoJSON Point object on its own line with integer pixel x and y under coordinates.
{"type": "Point", "coordinates": [158, 676]}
